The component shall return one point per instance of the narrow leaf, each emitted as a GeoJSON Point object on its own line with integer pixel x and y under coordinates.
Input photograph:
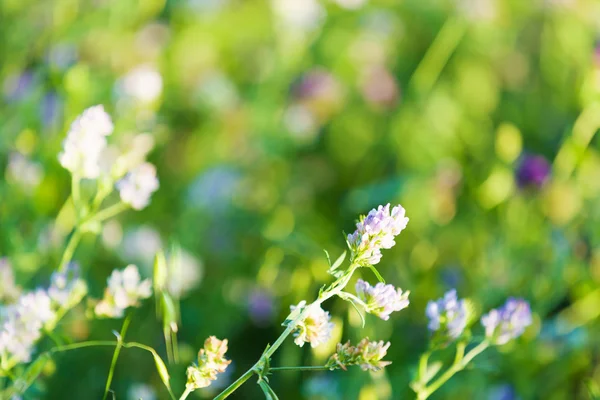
{"type": "Point", "coordinates": [362, 317]}
{"type": "Point", "coordinates": [328, 258]}
{"type": "Point", "coordinates": [269, 393]}
{"type": "Point", "coordinates": [338, 262]}
{"type": "Point", "coordinates": [377, 274]}
{"type": "Point", "coordinates": [162, 370]}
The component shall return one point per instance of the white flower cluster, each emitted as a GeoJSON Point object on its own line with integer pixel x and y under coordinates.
{"type": "Point", "coordinates": [137, 186]}
{"type": "Point", "coordinates": [21, 323]}
{"type": "Point", "coordinates": [381, 300]}
{"type": "Point", "coordinates": [86, 154]}
{"type": "Point", "coordinates": [85, 142]}
{"type": "Point", "coordinates": [315, 328]}
{"type": "Point", "coordinates": [376, 231]}
{"type": "Point", "coordinates": [125, 289]}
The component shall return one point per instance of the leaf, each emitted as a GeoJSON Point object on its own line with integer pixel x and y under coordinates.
{"type": "Point", "coordinates": [269, 393]}
{"type": "Point", "coordinates": [162, 370]}
{"type": "Point", "coordinates": [362, 317]}
{"type": "Point", "coordinates": [160, 271]}
{"type": "Point", "coordinates": [337, 262]}
{"type": "Point", "coordinates": [28, 378]}
{"type": "Point", "coordinates": [377, 274]}
{"type": "Point", "coordinates": [328, 258]}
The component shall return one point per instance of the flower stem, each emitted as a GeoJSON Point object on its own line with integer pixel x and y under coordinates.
{"type": "Point", "coordinates": [186, 393]}
{"type": "Point", "coordinates": [334, 289]}
{"type": "Point", "coordinates": [459, 364]}
{"type": "Point", "coordinates": [113, 363]}
{"type": "Point", "coordinates": [70, 249]}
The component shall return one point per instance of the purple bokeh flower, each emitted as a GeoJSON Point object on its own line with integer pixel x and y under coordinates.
{"type": "Point", "coordinates": [508, 322]}
{"type": "Point", "coordinates": [447, 315]}
{"type": "Point", "coordinates": [533, 170]}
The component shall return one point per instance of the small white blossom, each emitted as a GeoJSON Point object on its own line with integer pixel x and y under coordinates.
{"type": "Point", "coordinates": [125, 289]}
{"type": "Point", "coordinates": [381, 299]}
{"type": "Point", "coordinates": [143, 83]}
{"type": "Point", "coordinates": [85, 142]}
{"type": "Point", "coordinates": [137, 186]}
{"type": "Point", "coordinates": [376, 231]}
{"type": "Point", "coordinates": [66, 288]}
{"type": "Point", "coordinates": [21, 325]}
{"type": "Point", "coordinates": [315, 328]}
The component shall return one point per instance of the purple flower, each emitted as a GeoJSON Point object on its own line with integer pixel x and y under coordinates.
{"type": "Point", "coordinates": [447, 315]}
{"type": "Point", "coordinates": [533, 170]}
{"type": "Point", "coordinates": [376, 231]}
{"type": "Point", "coordinates": [508, 322]}
{"type": "Point", "coordinates": [260, 307]}
{"type": "Point", "coordinates": [381, 300]}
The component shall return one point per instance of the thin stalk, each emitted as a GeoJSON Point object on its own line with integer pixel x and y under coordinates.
{"type": "Point", "coordinates": [334, 289]}
{"type": "Point", "coordinates": [423, 365]}
{"type": "Point", "coordinates": [113, 363]}
{"type": "Point", "coordinates": [76, 190]}
{"type": "Point", "coordinates": [457, 366]}
{"type": "Point", "coordinates": [186, 393]}
{"type": "Point", "coordinates": [107, 213]}
{"type": "Point", "coordinates": [70, 249]}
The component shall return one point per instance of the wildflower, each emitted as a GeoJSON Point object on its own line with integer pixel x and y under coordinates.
{"type": "Point", "coordinates": [315, 328]}
{"type": "Point", "coordinates": [448, 315]}
{"type": "Point", "coordinates": [66, 288]}
{"type": "Point", "coordinates": [138, 185]}
{"type": "Point", "coordinates": [211, 361]}
{"type": "Point", "coordinates": [381, 299]}
{"type": "Point", "coordinates": [376, 231]}
{"type": "Point", "coordinates": [533, 171]}
{"type": "Point", "coordinates": [21, 325]}
{"type": "Point", "coordinates": [143, 83]}
{"type": "Point", "coordinates": [85, 142]}
{"type": "Point", "coordinates": [368, 355]}
{"type": "Point", "coordinates": [125, 289]}
{"type": "Point", "coordinates": [508, 322]}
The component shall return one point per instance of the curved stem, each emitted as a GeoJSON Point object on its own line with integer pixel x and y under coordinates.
{"type": "Point", "coordinates": [70, 249]}
{"type": "Point", "coordinates": [334, 289]}
{"type": "Point", "coordinates": [107, 213]}
{"type": "Point", "coordinates": [457, 366]}
{"type": "Point", "coordinates": [113, 363]}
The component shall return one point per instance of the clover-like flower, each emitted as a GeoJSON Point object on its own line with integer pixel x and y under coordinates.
{"type": "Point", "coordinates": [21, 325]}
{"type": "Point", "coordinates": [137, 186]}
{"type": "Point", "coordinates": [448, 315]}
{"type": "Point", "coordinates": [376, 231]}
{"type": "Point", "coordinates": [211, 361]}
{"type": "Point", "coordinates": [315, 328]}
{"type": "Point", "coordinates": [85, 142]}
{"type": "Point", "coordinates": [368, 355]}
{"type": "Point", "coordinates": [125, 289]}
{"type": "Point", "coordinates": [508, 322]}
{"type": "Point", "coordinates": [381, 300]}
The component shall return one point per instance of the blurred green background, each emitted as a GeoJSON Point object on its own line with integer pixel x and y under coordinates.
{"type": "Point", "coordinates": [276, 124]}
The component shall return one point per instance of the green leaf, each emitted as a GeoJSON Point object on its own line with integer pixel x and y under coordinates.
{"type": "Point", "coordinates": [160, 271]}
{"type": "Point", "coordinates": [362, 317]}
{"type": "Point", "coordinates": [338, 262]}
{"type": "Point", "coordinates": [269, 393]}
{"type": "Point", "coordinates": [377, 274]}
{"type": "Point", "coordinates": [328, 258]}
{"type": "Point", "coordinates": [432, 370]}
{"type": "Point", "coordinates": [162, 370]}
{"type": "Point", "coordinates": [28, 378]}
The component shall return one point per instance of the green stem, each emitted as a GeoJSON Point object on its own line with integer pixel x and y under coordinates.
{"type": "Point", "coordinates": [235, 385]}
{"type": "Point", "coordinates": [70, 249]}
{"type": "Point", "coordinates": [459, 364]}
{"type": "Point", "coordinates": [107, 213]}
{"type": "Point", "coordinates": [186, 393]}
{"type": "Point", "coordinates": [423, 365]}
{"type": "Point", "coordinates": [334, 289]}
{"type": "Point", "coordinates": [76, 190]}
{"type": "Point", "coordinates": [113, 363]}
{"type": "Point", "coordinates": [437, 55]}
